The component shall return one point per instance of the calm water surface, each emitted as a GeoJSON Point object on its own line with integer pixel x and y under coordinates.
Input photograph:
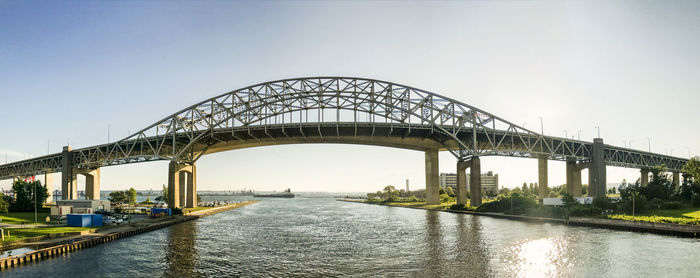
{"type": "Point", "coordinates": [323, 237]}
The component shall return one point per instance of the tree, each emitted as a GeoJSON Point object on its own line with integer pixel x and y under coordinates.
{"type": "Point", "coordinates": [25, 195]}
{"type": "Point", "coordinates": [118, 197]}
{"type": "Point", "coordinates": [4, 206]}
{"type": "Point", "coordinates": [568, 200]}
{"type": "Point", "coordinates": [660, 187]}
{"type": "Point", "coordinates": [390, 193]}
{"type": "Point", "coordinates": [449, 191]}
{"type": "Point", "coordinates": [692, 167]}
{"type": "Point", "coordinates": [164, 195]}
{"type": "Point", "coordinates": [148, 200]}
{"type": "Point", "coordinates": [131, 195]}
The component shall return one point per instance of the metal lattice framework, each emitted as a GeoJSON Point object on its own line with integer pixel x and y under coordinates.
{"type": "Point", "coordinates": [319, 109]}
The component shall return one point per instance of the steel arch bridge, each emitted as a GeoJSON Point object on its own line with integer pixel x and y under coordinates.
{"type": "Point", "coordinates": [333, 110]}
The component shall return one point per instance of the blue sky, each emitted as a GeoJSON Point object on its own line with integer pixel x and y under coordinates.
{"type": "Point", "coordinates": [70, 69]}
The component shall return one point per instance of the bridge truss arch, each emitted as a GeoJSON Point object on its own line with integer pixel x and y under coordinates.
{"type": "Point", "coordinates": [255, 114]}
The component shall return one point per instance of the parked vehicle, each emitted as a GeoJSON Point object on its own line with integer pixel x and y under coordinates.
{"type": "Point", "coordinates": [112, 220]}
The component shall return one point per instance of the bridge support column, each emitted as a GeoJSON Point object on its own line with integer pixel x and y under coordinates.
{"type": "Point", "coordinates": [597, 180]}
{"type": "Point", "coordinates": [432, 177]}
{"type": "Point", "coordinates": [48, 181]}
{"type": "Point", "coordinates": [173, 184]}
{"type": "Point", "coordinates": [475, 182]}
{"type": "Point", "coordinates": [570, 169]}
{"type": "Point", "coordinates": [92, 184]}
{"type": "Point", "coordinates": [645, 177]}
{"type": "Point", "coordinates": [192, 188]}
{"type": "Point", "coordinates": [573, 177]}
{"type": "Point", "coordinates": [183, 189]}
{"type": "Point", "coordinates": [542, 177]}
{"type": "Point", "coordinates": [676, 180]}
{"type": "Point", "coordinates": [69, 185]}
{"type": "Point", "coordinates": [462, 182]}
{"type": "Point", "coordinates": [181, 185]}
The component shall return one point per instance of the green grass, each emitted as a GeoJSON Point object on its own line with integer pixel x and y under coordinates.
{"type": "Point", "coordinates": [26, 217]}
{"type": "Point", "coordinates": [680, 213]}
{"type": "Point", "coordinates": [22, 233]}
{"type": "Point", "coordinates": [690, 216]}
{"type": "Point", "coordinates": [657, 219]}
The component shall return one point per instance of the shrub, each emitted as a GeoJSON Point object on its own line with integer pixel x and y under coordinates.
{"type": "Point", "coordinates": [444, 198]}
{"type": "Point", "coordinates": [672, 205]}
{"type": "Point", "coordinates": [494, 206]}
{"type": "Point", "coordinates": [603, 203]}
{"type": "Point", "coordinates": [656, 203]}
{"type": "Point", "coordinates": [462, 207]}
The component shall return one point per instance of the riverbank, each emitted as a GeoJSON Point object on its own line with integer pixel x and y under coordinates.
{"type": "Point", "coordinates": [50, 247]}
{"type": "Point", "coordinates": [637, 226]}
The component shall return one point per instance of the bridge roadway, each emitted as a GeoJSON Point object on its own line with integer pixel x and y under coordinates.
{"type": "Point", "coordinates": [338, 110]}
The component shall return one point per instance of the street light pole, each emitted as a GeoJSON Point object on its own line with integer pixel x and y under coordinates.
{"type": "Point", "coordinates": [35, 214]}
{"type": "Point", "coordinates": [649, 141]}
{"type": "Point", "coordinates": [579, 134]}
{"type": "Point", "coordinates": [598, 127]}
{"type": "Point", "coordinates": [566, 134]}
{"type": "Point", "coordinates": [541, 126]}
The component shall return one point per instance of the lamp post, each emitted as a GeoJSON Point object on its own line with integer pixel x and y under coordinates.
{"type": "Point", "coordinates": [565, 134]}
{"type": "Point", "coordinates": [579, 134]}
{"type": "Point", "coordinates": [598, 127]}
{"type": "Point", "coordinates": [649, 142]}
{"type": "Point", "coordinates": [624, 143]}
{"type": "Point", "coordinates": [541, 126]}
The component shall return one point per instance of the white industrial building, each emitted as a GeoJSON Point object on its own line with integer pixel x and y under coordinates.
{"type": "Point", "coordinates": [489, 182]}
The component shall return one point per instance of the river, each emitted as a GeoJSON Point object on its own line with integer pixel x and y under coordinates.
{"type": "Point", "coordinates": [323, 237]}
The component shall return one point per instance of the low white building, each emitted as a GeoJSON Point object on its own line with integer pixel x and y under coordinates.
{"type": "Point", "coordinates": [64, 207]}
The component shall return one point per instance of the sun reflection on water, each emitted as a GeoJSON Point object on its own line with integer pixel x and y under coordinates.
{"type": "Point", "coordinates": [544, 257]}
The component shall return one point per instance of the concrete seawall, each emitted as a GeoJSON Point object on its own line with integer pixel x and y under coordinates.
{"type": "Point", "coordinates": [75, 245]}
{"type": "Point", "coordinates": [614, 224]}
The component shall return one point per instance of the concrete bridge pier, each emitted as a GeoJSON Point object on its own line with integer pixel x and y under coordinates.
{"type": "Point", "coordinates": [69, 186]}
{"type": "Point", "coordinates": [462, 181]}
{"type": "Point", "coordinates": [645, 177]}
{"type": "Point", "coordinates": [432, 177]}
{"type": "Point", "coordinates": [597, 175]}
{"type": "Point", "coordinates": [182, 185]}
{"type": "Point", "coordinates": [92, 182]}
{"type": "Point", "coordinates": [676, 179]}
{"type": "Point", "coordinates": [475, 182]}
{"type": "Point", "coordinates": [573, 177]}
{"type": "Point", "coordinates": [542, 177]}
{"type": "Point", "coordinates": [48, 181]}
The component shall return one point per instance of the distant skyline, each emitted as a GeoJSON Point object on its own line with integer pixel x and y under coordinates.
{"type": "Point", "coordinates": [71, 69]}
